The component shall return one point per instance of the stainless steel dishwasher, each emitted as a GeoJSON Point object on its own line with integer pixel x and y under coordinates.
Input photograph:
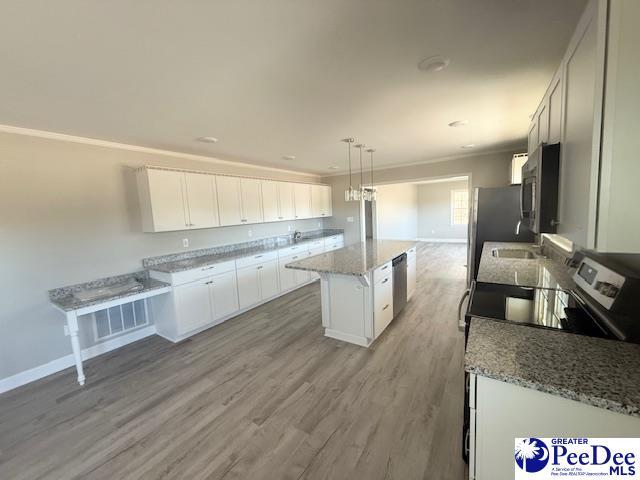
{"type": "Point", "coordinates": [399, 283]}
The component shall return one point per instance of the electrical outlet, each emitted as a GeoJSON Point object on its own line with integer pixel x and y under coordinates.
{"type": "Point", "coordinates": [250, 233]}
{"type": "Point", "coordinates": [433, 231]}
{"type": "Point", "coordinates": [350, 219]}
{"type": "Point", "coordinates": [185, 242]}
{"type": "Point", "coordinates": [66, 330]}
{"type": "Point", "coordinates": [319, 224]}
{"type": "Point", "coordinates": [288, 228]}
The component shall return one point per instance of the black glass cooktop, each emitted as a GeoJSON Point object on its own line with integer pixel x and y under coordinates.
{"type": "Point", "coordinates": [538, 307]}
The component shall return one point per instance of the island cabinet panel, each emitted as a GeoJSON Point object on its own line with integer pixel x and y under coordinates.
{"type": "Point", "coordinates": [229, 200]}
{"type": "Point", "coordinates": [270, 201]}
{"type": "Point", "coordinates": [347, 309]}
{"type": "Point", "coordinates": [224, 295]}
{"type": "Point", "coordinates": [503, 412]}
{"type": "Point", "coordinates": [411, 272]}
{"type": "Point", "coordinates": [193, 306]}
{"type": "Point", "coordinates": [201, 200]}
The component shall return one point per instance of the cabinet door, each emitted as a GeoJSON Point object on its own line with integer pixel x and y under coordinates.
{"type": "Point", "coordinates": [411, 276]}
{"type": "Point", "coordinates": [327, 205]}
{"type": "Point", "coordinates": [555, 108]}
{"type": "Point", "coordinates": [229, 200]}
{"type": "Point", "coordinates": [251, 193]}
{"type": "Point", "coordinates": [193, 305]}
{"type": "Point", "coordinates": [248, 286]}
{"type": "Point", "coordinates": [383, 305]}
{"type": "Point", "coordinates": [532, 143]}
{"type": "Point", "coordinates": [224, 294]}
{"type": "Point", "coordinates": [270, 204]}
{"type": "Point", "coordinates": [202, 202]}
{"type": "Point", "coordinates": [317, 200]}
{"type": "Point", "coordinates": [288, 276]}
{"type": "Point", "coordinates": [302, 199]}
{"type": "Point", "coordinates": [579, 153]}
{"type": "Point", "coordinates": [166, 196]}
{"type": "Point", "coordinates": [543, 122]}
{"type": "Point", "coordinates": [269, 284]}
{"type": "Point", "coordinates": [286, 202]}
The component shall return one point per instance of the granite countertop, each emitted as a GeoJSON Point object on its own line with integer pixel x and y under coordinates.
{"type": "Point", "coordinates": [595, 371]}
{"type": "Point", "coordinates": [356, 259]}
{"type": "Point", "coordinates": [65, 300]}
{"type": "Point", "coordinates": [539, 272]}
{"type": "Point", "coordinates": [220, 255]}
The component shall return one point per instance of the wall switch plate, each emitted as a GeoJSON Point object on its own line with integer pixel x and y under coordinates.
{"type": "Point", "coordinates": [66, 330]}
{"type": "Point", "coordinates": [250, 233]}
{"type": "Point", "coordinates": [185, 242]}
{"type": "Point", "coordinates": [350, 219]}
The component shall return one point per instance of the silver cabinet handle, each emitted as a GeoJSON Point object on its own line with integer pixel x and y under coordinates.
{"type": "Point", "coordinates": [386, 306]}
{"type": "Point", "coordinates": [385, 280]}
{"type": "Point", "coordinates": [208, 268]}
{"type": "Point", "coordinates": [258, 256]}
{"type": "Point", "coordinates": [293, 258]}
{"type": "Point", "coordinates": [209, 282]}
{"type": "Point", "coordinates": [464, 295]}
{"type": "Point", "coordinates": [385, 267]}
{"type": "Point", "coordinates": [259, 268]}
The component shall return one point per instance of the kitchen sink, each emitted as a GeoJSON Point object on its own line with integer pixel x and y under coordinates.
{"type": "Point", "coordinates": [513, 253]}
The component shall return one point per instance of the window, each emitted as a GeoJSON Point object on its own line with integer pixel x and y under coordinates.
{"type": "Point", "coordinates": [459, 207]}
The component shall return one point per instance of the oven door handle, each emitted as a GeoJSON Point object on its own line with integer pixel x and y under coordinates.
{"type": "Point", "coordinates": [464, 295]}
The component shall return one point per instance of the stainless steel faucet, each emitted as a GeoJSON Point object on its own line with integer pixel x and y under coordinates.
{"type": "Point", "coordinates": [297, 235]}
{"type": "Point", "coordinates": [518, 227]}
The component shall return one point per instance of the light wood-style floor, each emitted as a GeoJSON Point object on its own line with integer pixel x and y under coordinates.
{"type": "Point", "coordinates": [263, 396]}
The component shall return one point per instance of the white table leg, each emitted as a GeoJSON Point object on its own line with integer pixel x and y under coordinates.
{"type": "Point", "coordinates": [72, 323]}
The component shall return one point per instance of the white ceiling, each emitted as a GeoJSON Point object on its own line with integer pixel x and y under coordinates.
{"type": "Point", "coordinates": [278, 77]}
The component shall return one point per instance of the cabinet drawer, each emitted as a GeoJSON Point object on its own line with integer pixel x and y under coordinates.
{"type": "Point", "coordinates": [186, 276]}
{"type": "Point", "coordinates": [383, 304]}
{"type": "Point", "coordinates": [381, 272]}
{"type": "Point", "coordinates": [293, 249]}
{"type": "Point", "coordinates": [256, 259]}
{"type": "Point", "coordinates": [411, 252]}
{"type": "Point", "coordinates": [315, 251]}
{"type": "Point", "coordinates": [333, 239]}
{"type": "Point", "coordinates": [333, 246]}
{"type": "Point", "coordinates": [315, 244]}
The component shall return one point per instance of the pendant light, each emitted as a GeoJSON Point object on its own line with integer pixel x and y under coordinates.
{"type": "Point", "coordinates": [363, 196]}
{"type": "Point", "coordinates": [350, 194]}
{"type": "Point", "coordinates": [372, 192]}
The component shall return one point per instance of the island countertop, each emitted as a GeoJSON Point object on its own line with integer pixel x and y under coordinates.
{"type": "Point", "coordinates": [355, 259]}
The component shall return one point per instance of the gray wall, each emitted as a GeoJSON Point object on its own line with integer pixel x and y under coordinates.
{"type": "Point", "coordinates": [489, 170]}
{"type": "Point", "coordinates": [397, 211]}
{"type": "Point", "coordinates": [434, 211]}
{"type": "Point", "coordinates": [69, 214]}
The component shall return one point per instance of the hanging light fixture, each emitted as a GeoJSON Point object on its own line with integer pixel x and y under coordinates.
{"type": "Point", "coordinates": [350, 194]}
{"type": "Point", "coordinates": [372, 192]}
{"type": "Point", "coordinates": [363, 196]}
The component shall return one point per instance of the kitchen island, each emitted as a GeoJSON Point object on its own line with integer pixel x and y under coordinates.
{"type": "Point", "coordinates": [357, 288]}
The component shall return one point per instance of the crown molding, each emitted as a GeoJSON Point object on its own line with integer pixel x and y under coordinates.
{"type": "Point", "coordinates": [435, 160]}
{"type": "Point", "coordinates": [136, 148]}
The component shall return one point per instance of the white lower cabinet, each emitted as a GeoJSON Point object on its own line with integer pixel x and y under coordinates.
{"type": "Point", "coordinates": [257, 283]}
{"type": "Point", "coordinates": [289, 278]}
{"type": "Point", "coordinates": [192, 306]}
{"type": "Point", "coordinates": [498, 419]}
{"type": "Point", "coordinates": [224, 295]}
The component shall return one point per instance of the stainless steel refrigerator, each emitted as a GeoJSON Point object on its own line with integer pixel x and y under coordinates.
{"type": "Point", "coordinates": [494, 217]}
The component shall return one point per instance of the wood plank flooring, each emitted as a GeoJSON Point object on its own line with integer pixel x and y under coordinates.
{"type": "Point", "coordinates": [262, 396]}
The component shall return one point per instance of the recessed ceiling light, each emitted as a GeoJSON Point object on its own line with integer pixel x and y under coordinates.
{"type": "Point", "coordinates": [288, 157]}
{"type": "Point", "coordinates": [435, 63]}
{"type": "Point", "coordinates": [469, 145]}
{"type": "Point", "coordinates": [207, 139]}
{"type": "Point", "coordinates": [459, 123]}
{"type": "Point", "coordinates": [334, 167]}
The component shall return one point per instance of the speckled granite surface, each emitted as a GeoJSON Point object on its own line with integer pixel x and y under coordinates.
{"type": "Point", "coordinates": [603, 373]}
{"type": "Point", "coordinates": [209, 256]}
{"type": "Point", "coordinates": [356, 259]}
{"type": "Point", "coordinates": [64, 297]}
{"type": "Point", "coordinates": [538, 272]}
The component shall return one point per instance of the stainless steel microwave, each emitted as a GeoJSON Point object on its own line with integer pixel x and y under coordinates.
{"type": "Point", "coordinates": [539, 189]}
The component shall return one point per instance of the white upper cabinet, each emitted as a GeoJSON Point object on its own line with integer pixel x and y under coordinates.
{"type": "Point", "coordinates": [229, 200]}
{"type": "Point", "coordinates": [182, 200]}
{"type": "Point", "coordinates": [591, 108]}
{"type": "Point", "coordinates": [270, 201]}
{"type": "Point", "coordinates": [201, 200]}
{"type": "Point", "coordinates": [286, 201]}
{"type": "Point", "coordinates": [302, 200]}
{"type": "Point", "coordinates": [251, 197]}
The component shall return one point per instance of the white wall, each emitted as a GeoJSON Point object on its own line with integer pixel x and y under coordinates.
{"type": "Point", "coordinates": [397, 211]}
{"type": "Point", "coordinates": [69, 214]}
{"type": "Point", "coordinates": [487, 170]}
{"type": "Point", "coordinates": [434, 211]}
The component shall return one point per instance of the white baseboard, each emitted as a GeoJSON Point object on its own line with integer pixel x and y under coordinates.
{"type": "Point", "coordinates": [347, 337]}
{"type": "Point", "coordinates": [41, 371]}
{"type": "Point", "coordinates": [443, 240]}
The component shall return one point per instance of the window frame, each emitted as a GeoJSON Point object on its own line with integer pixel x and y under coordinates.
{"type": "Point", "coordinates": [453, 208]}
